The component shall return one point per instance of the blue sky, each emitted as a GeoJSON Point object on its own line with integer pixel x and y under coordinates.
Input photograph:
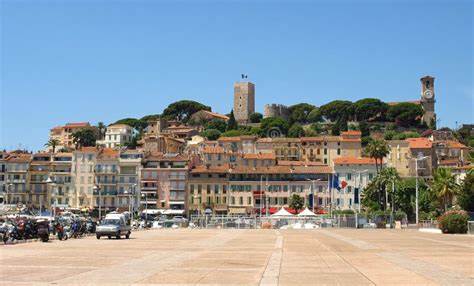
{"type": "Point", "coordinates": [70, 61]}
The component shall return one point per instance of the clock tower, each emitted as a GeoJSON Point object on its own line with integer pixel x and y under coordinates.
{"type": "Point", "coordinates": [428, 100]}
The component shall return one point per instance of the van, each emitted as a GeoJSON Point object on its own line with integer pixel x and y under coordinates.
{"type": "Point", "coordinates": [115, 224]}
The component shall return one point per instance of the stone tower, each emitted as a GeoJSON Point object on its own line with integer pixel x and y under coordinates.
{"type": "Point", "coordinates": [244, 101]}
{"type": "Point", "coordinates": [428, 100]}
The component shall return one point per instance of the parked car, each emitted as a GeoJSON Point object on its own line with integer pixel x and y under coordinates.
{"type": "Point", "coordinates": [114, 224]}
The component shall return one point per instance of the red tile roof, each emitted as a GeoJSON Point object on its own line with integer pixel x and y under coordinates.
{"type": "Point", "coordinates": [259, 156]}
{"type": "Point", "coordinates": [213, 150]}
{"type": "Point", "coordinates": [456, 145]}
{"type": "Point", "coordinates": [354, 161]}
{"type": "Point", "coordinates": [419, 143]}
{"type": "Point", "coordinates": [229, 139]}
{"type": "Point", "coordinates": [282, 170]}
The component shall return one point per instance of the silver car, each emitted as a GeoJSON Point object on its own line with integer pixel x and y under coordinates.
{"type": "Point", "coordinates": [113, 227]}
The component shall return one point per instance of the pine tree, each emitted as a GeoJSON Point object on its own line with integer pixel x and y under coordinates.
{"type": "Point", "coordinates": [232, 123]}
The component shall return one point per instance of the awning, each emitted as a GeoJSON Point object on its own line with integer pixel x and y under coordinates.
{"type": "Point", "coordinates": [176, 203]}
{"type": "Point", "coordinates": [306, 213]}
{"type": "Point", "coordinates": [173, 212]}
{"type": "Point", "coordinates": [152, 211]}
{"type": "Point", "coordinates": [282, 213]}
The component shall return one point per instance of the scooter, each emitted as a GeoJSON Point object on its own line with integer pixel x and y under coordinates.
{"type": "Point", "coordinates": [43, 230]}
{"type": "Point", "coordinates": [59, 228]}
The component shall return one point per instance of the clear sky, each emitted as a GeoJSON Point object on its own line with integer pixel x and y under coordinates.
{"type": "Point", "coordinates": [73, 61]}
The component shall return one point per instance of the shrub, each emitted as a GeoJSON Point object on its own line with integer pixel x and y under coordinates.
{"type": "Point", "coordinates": [453, 222]}
{"type": "Point", "coordinates": [347, 212]}
{"type": "Point", "coordinates": [400, 215]}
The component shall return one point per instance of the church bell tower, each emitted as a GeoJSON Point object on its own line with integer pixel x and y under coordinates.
{"type": "Point", "coordinates": [428, 100]}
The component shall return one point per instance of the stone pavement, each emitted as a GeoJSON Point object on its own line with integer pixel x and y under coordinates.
{"type": "Point", "coordinates": [246, 257]}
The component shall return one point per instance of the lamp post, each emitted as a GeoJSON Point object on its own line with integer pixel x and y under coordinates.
{"type": "Point", "coordinates": [50, 182]}
{"type": "Point", "coordinates": [8, 192]}
{"type": "Point", "coordinates": [146, 209]}
{"type": "Point", "coordinates": [359, 186]}
{"type": "Point", "coordinates": [416, 188]}
{"type": "Point", "coordinates": [97, 188]}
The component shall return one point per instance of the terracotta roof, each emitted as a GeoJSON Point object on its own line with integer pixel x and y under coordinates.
{"type": "Point", "coordinates": [215, 114]}
{"type": "Point", "coordinates": [57, 128]}
{"type": "Point", "coordinates": [77, 125]}
{"type": "Point", "coordinates": [282, 170]}
{"type": "Point", "coordinates": [109, 151]}
{"type": "Point", "coordinates": [351, 140]}
{"type": "Point", "coordinates": [119, 126]}
{"type": "Point", "coordinates": [300, 163]}
{"type": "Point", "coordinates": [166, 157]}
{"type": "Point", "coordinates": [248, 137]}
{"type": "Point", "coordinates": [19, 158]}
{"type": "Point", "coordinates": [354, 161]}
{"type": "Point", "coordinates": [312, 139]}
{"type": "Point", "coordinates": [42, 154]}
{"type": "Point", "coordinates": [352, 133]}
{"type": "Point", "coordinates": [205, 169]}
{"type": "Point", "coordinates": [419, 143]}
{"type": "Point", "coordinates": [259, 156]}
{"type": "Point", "coordinates": [213, 150]}
{"type": "Point", "coordinates": [332, 138]}
{"type": "Point", "coordinates": [229, 139]}
{"type": "Point", "coordinates": [454, 144]}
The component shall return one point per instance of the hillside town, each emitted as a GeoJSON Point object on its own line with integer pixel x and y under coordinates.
{"type": "Point", "coordinates": [190, 160]}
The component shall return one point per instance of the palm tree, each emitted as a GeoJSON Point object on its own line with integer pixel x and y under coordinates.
{"type": "Point", "coordinates": [377, 149]}
{"type": "Point", "coordinates": [388, 179]}
{"type": "Point", "coordinates": [444, 186]}
{"type": "Point", "coordinates": [53, 143]}
{"type": "Point", "coordinates": [102, 128]}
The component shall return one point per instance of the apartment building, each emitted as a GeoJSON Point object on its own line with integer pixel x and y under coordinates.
{"type": "Point", "coordinates": [450, 153]}
{"type": "Point", "coordinates": [106, 178]}
{"type": "Point", "coordinates": [116, 135]}
{"type": "Point", "coordinates": [60, 172]}
{"type": "Point", "coordinates": [163, 183]}
{"type": "Point", "coordinates": [3, 176]}
{"type": "Point", "coordinates": [64, 134]}
{"type": "Point", "coordinates": [82, 173]}
{"type": "Point", "coordinates": [403, 154]}
{"type": "Point", "coordinates": [39, 169]}
{"type": "Point", "coordinates": [357, 172]}
{"type": "Point", "coordinates": [399, 157]}
{"type": "Point", "coordinates": [17, 183]}
{"type": "Point", "coordinates": [129, 175]}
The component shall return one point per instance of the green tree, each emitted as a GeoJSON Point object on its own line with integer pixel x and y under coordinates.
{"type": "Point", "coordinates": [315, 115]}
{"type": "Point", "coordinates": [296, 131]}
{"type": "Point", "coordinates": [137, 124]}
{"type": "Point", "coordinates": [211, 134]}
{"type": "Point", "coordinates": [299, 112]}
{"type": "Point", "coordinates": [310, 132]}
{"type": "Point", "coordinates": [444, 186]}
{"type": "Point", "coordinates": [84, 138]}
{"type": "Point", "coordinates": [216, 124]}
{"type": "Point", "coordinates": [369, 108]}
{"type": "Point", "coordinates": [465, 198]}
{"type": "Point", "coordinates": [388, 135]}
{"type": "Point", "coordinates": [256, 117]}
{"type": "Point", "coordinates": [388, 179]}
{"type": "Point", "coordinates": [150, 117]}
{"type": "Point", "coordinates": [316, 127]}
{"type": "Point", "coordinates": [377, 149]}
{"type": "Point", "coordinates": [183, 109]}
{"type": "Point", "coordinates": [337, 109]}
{"type": "Point", "coordinates": [405, 114]}
{"type": "Point", "coordinates": [296, 202]}
{"type": "Point", "coordinates": [232, 123]}
{"type": "Point", "coordinates": [276, 124]}
{"type": "Point", "coordinates": [231, 133]}
{"type": "Point", "coordinates": [53, 143]}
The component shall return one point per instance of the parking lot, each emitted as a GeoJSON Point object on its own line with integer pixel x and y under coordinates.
{"type": "Point", "coordinates": [245, 257]}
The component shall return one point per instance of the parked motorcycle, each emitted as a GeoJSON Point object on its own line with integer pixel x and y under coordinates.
{"type": "Point", "coordinates": [11, 233]}
{"type": "Point", "coordinates": [42, 227]}
{"type": "Point", "coordinates": [60, 230]}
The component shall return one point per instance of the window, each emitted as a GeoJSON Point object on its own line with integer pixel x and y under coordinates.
{"type": "Point", "coordinates": [338, 151]}
{"type": "Point", "coordinates": [326, 161]}
{"type": "Point", "coordinates": [249, 200]}
{"type": "Point", "coordinates": [208, 189]}
{"type": "Point", "coordinates": [325, 151]}
{"type": "Point", "coordinates": [241, 201]}
{"type": "Point", "coordinates": [371, 176]}
{"type": "Point", "coordinates": [199, 189]}
{"type": "Point", "coordinates": [349, 176]}
{"type": "Point", "coordinates": [349, 189]}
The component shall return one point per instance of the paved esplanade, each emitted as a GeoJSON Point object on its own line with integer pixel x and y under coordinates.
{"type": "Point", "coordinates": [251, 257]}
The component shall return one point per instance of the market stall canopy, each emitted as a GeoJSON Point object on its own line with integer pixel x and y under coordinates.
{"type": "Point", "coordinates": [306, 212]}
{"type": "Point", "coordinates": [282, 213]}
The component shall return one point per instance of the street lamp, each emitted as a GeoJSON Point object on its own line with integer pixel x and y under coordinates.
{"type": "Point", "coordinates": [8, 189]}
{"type": "Point", "coordinates": [97, 188]}
{"type": "Point", "coordinates": [146, 208]}
{"type": "Point", "coordinates": [50, 182]}
{"type": "Point", "coordinates": [359, 186]}
{"type": "Point", "coordinates": [416, 189]}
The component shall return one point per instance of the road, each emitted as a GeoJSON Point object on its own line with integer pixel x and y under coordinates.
{"type": "Point", "coordinates": [245, 257]}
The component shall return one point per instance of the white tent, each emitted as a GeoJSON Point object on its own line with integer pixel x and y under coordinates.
{"type": "Point", "coordinates": [282, 213]}
{"type": "Point", "coordinates": [306, 213]}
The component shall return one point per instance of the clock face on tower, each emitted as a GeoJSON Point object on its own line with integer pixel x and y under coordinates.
{"type": "Point", "coordinates": [428, 94]}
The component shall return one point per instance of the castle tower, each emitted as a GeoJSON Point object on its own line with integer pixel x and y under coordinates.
{"type": "Point", "coordinates": [428, 100]}
{"type": "Point", "coordinates": [244, 101]}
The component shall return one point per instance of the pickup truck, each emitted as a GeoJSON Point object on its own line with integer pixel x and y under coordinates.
{"type": "Point", "coordinates": [114, 224]}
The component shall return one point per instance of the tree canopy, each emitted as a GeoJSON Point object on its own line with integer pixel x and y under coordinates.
{"type": "Point", "coordinates": [299, 112]}
{"type": "Point", "coordinates": [183, 109]}
{"type": "Point", "coordinates": [211, 134]}
{"type": "Point", "coordinates": [369, 108]}
{"type": "Point", "coordinates": [274, 125]}
{"type": "Point", "coordinates": [296, 202]}
{"type": "Point", "coordinates": [84, 138]}
{"type": "Point", "coordinates": [336, 109]}
{"type": "Point", "coordinates": [137, 124]}
{"type": "Point", "coordinates": [256, 117]}
{"type": "Point", "coordinates": [217, 124]}
{"type": "Point", "coordinates": [296, 130]}
{"type": "Point", "coordinates": [232, 123]}
{"type": "Point", "coordinates": [405, 114]}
